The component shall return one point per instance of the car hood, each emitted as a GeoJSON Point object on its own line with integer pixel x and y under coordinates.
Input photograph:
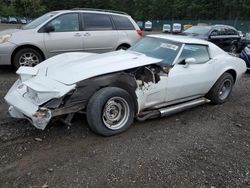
{"type": "Point", "coordinates": [70, 68]}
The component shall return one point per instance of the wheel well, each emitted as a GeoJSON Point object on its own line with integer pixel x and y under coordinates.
{"type": "Point", "coordinates": [26, 46]}
{"type": "Point", "coordinates": [124, 44]}
{"type": "Point", "coordinates": [130, 90]}
{"type": "Point", "coordinates": [233, 73]}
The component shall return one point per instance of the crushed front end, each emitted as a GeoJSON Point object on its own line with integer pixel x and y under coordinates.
{"type": "Point", "coordinates": [32, 96]}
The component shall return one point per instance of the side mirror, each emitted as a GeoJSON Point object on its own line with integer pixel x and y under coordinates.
{"type": "Point", "coordinates": [189, 61]}
{"type": "Point", "coordinates": [49, 28]}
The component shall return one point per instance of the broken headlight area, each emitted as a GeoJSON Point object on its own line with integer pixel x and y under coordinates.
{"type": "Point", "coordinates": [39, 98]}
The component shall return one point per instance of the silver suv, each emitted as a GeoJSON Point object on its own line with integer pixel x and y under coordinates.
{"type": "Point", "coordinates": [88, 30]}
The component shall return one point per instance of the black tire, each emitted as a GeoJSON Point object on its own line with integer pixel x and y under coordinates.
{"type": "Point", "coordinates": [222, 89]}
{"type": "Point", "coordinates": [36, 59]}
{"type": "Point", "coordinates": [122, 47]}
{"type": "Point", "coordinates": [100, 106]}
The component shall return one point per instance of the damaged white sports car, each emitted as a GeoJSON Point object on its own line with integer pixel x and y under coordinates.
{"type": "Point", "coordinates": [159, 76]}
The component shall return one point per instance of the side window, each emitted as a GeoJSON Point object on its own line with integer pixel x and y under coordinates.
{"type": "Point", "coordinates": [65, 23]}
{"type": "Point", "coordinates": [199, 52]}
{"type": "Point", "coordinates": [222, 31]}
{"type": "Point", "coordinates": [235, 32]}
{"type": "Point", "coordinates": [123, 23]}
{"type": "Point", "coordinates": [215, 32]}
{"type": "Point", "coordinates": [230, 31]}
{"type": "Point", "coordinates": [96, 22]}
{"type": "Point", "coordinates": [218, 32]}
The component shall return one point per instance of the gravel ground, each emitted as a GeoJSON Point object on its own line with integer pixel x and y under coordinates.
{"type": "Point", "coordinates": [208, 146]}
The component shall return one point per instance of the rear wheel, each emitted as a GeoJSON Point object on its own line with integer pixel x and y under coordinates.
{"type": "Point", "coordinates": [222, 89]}
{"type": "Point", "coordinates": [27, 57]}
{"type": "Point", "coordinates": [123, 47]}
{"type": "Point", "coordinates": [110, 111]}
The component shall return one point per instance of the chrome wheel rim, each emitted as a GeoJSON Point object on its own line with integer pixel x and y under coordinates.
{"type": "Point", "coordinates": [115, 113]}
{"type": "Point", "coordinates": [225, 89]}
{"type": "Point", "coordinates": [29, 59]}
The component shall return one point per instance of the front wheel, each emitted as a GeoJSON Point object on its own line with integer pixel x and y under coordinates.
{"type": "Point", "coordinates": [221, 89]}
{"type": "Point", "coordinates": [27, 57]}
{"type": "Point", "coordinates": [110, 111]}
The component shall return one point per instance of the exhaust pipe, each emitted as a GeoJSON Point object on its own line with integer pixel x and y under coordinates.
{"type": "Point", "coordinates": [172, 109]}
{"type": "Point", "coordinates": [181, 107]}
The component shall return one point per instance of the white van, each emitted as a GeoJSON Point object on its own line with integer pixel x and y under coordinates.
{"type": "Point", "coordinates": [177, 28]}
{"type": "Point", "coordinates": [148, 26]}
{"type": "Point", "coordinates": [166, 28]}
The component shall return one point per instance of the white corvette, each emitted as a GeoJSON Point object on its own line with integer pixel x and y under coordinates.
{"type": "Point", "coordinates": [159, 76]}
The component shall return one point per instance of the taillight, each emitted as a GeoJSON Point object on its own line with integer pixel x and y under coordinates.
{"type": "Point", "coordinates": [139, 32]}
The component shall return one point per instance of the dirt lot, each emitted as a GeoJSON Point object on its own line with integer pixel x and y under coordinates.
{"type": "Point", "coordinates": [208, 146]}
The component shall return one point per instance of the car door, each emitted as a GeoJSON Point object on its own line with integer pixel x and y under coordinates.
{"type": "Point", "coordinates": [99, 33]}
{"type": "Point", "coordinates": [217, 37]}
{"type": "Point", "coordinates": [190, 80]}
{"type": "Point", "coordinates": [231, 39]}
{"type": "Point", "coordinates": [65, 34]}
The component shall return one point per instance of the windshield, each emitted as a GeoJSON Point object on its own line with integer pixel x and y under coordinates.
{"type": "Point", "coordinates": [39, 21]}
{"type": "Point", "coordinates": [200, 30]}
{"type": "Point", "coordinates": [166, 50]}
{"type": "Point", "coordinates": [177, 26]}
{"type": "Point", "coordinates": [166, 26]}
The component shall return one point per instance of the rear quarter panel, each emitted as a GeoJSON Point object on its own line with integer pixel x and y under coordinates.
{"type": "Point", "coordinates": [129, 37]}
{"type": "Point", "coordinates": [225, 63]}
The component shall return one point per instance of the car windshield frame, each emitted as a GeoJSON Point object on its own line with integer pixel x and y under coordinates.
{"type": "Point", "coordinates": [199, 30]}
{"type": "Point", "coordinates": [153, 46]}
{"type": "Point", "coordinates": [39, 21]}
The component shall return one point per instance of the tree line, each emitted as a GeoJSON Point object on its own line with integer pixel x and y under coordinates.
{"type": "Point", "coordinates": [139, 9]}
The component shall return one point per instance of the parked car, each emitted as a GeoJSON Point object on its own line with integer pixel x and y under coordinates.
{"type": "Point", "coordinates": [56, 32]}
{"type": "Point", "coordinates": [224, 36]}
{"type": "Point", "coordinates": [177, 28]}
{"type": "Point", "coordinates": [148, 26]}
{"type": "Point", "coordinates": [158, 76]}
{"type": "Point", "coordinates": [245, 55]}
{"type": "Point", "coordinates": [245, 40]}
{"type": "Point", "coordinates": [21, 20]}
{"type": "Point", "coordinates": [166, 28]}
{"type": "Point", "coordinates": [12, 20]}
{"type": "Point", "coordinates": [4, 20]}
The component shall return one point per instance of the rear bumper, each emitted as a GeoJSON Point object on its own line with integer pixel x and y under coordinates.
{"type": "Point", "coordinates": [6, 50]}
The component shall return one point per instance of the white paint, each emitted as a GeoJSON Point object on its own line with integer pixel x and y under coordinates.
{"type": "Point", "coordinates": [57, 76]}
{"type": "Point", "coordinates": [70, 68]}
